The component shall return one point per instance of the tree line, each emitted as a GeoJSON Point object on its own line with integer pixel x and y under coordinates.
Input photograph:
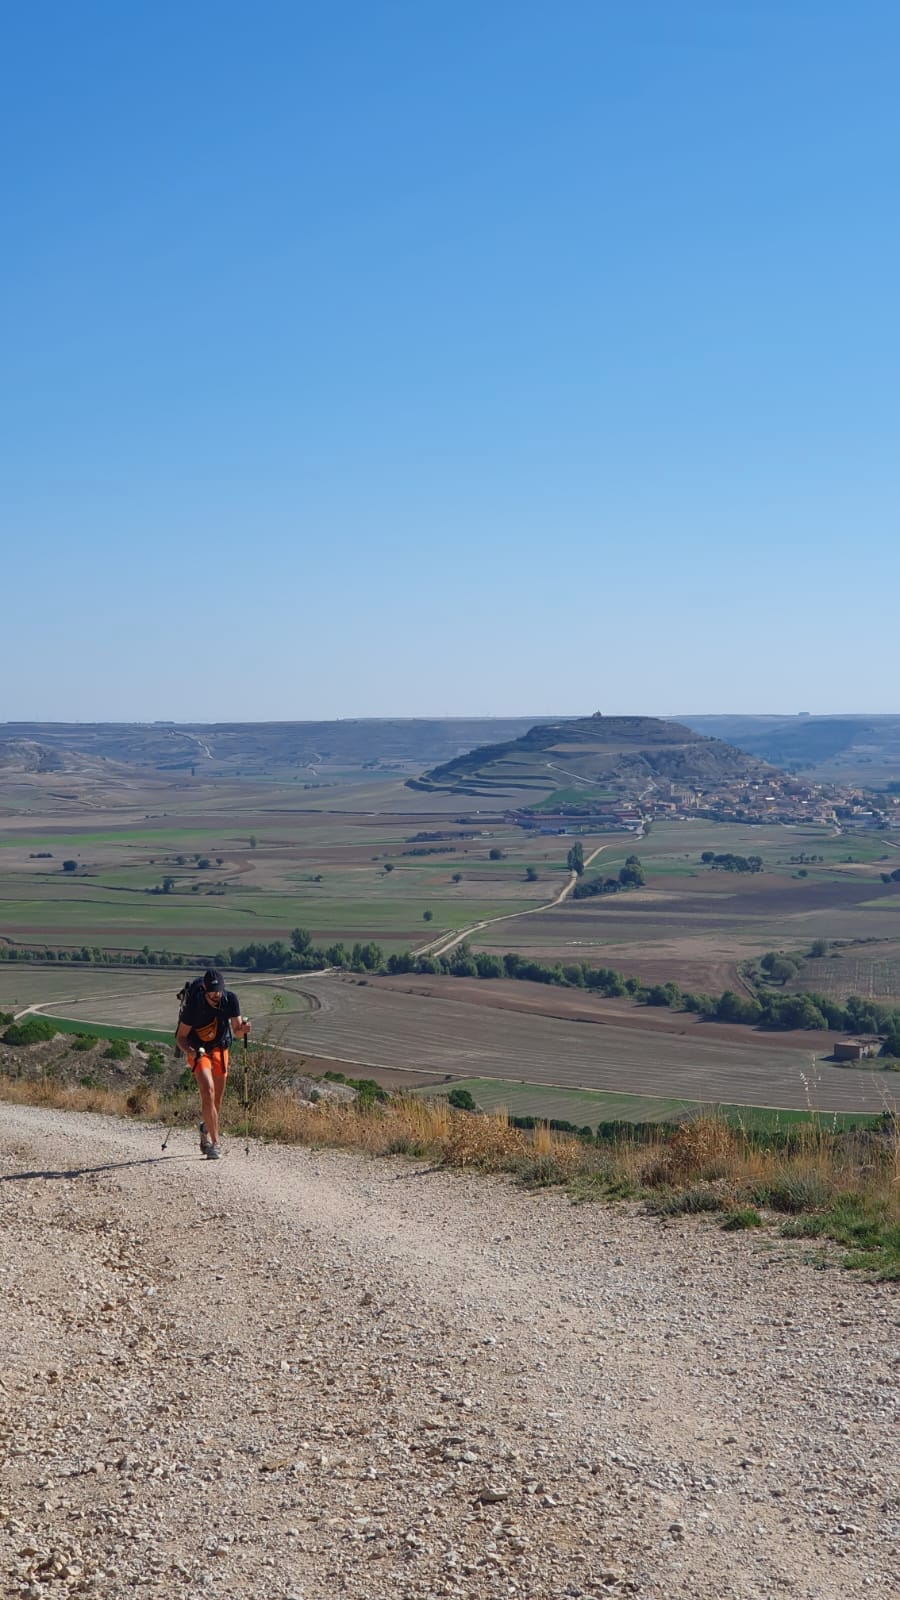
{"type": "Point", "coordinates": [727, 861]}
{"type": "Point", "coordinates": [631, 876]}
{"type": "Point", "coordinates": [93, 955]}
{"type": "Point", "coordinates": [776, 1012]}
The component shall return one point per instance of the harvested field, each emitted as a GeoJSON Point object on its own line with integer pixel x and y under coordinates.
{"type": "Point", "coordinates": [362, 1025]}
{"type": "Point", "coordinates": [546, 1000]}
{"type": "Point", "coordinates": [724, 920]}
{"type": "Point", "coordinates": [873, 972]}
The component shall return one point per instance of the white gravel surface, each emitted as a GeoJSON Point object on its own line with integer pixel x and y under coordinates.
{"type": "Point", "coordinates": [295, 1375]}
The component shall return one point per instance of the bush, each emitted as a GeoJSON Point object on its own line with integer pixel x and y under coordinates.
{"type": "Point", "coordinates": [155, 1065]}
{"type": "Point", "coordinates": [34, 1030]}
{"type": "Point", "coordinates": [686, 1202]}
{"type": "Point", "coordinates": [744, 1217]}
{"type": "Point", "coordinates": [117, 1050]}
{"type": "Point", "coordinates": [544, 1172]}
{"type": "Point", "coordinates": [732, 1007]}
{"type": "Point", "coordinates": [140, 1100]}
{"type": "Point", "coordinates": [461, 1100]}
{"type": "Point", "coordinates": [793, 1193]}
{"type": "Point", "coordinates": [84, 1041]}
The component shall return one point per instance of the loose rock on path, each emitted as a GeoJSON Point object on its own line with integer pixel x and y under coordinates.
{"type": "Point", "coordinates": [296, 1375]}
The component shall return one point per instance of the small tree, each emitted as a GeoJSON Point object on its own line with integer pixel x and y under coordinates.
{"type": "Point", "coordinates": [575, 858]}
{"type": "Point", "coordinates": [70, 866]}
{"type": "Point", "coordinates": [457, 877]}
{"type": "Point", "coordinates": [461, 1100]}
{"type": "Point", "coordinates": [168, 885]}
{"type": "Point", "coordinates": [632, 875]}
{"type": "Point", "coordinates": [427, 916]}
{"type": "Point", "coordinates": [531, 874]}
{"type": "Point", "coordinates": [781, 969]}
{"type": "Point", "coordinates": [495, 854]}
{"type": "Point", "coordinates": [389, 866]}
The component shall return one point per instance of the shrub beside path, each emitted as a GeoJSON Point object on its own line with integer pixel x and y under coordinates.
{"type": "Point", "coordinates": [307, 1374]}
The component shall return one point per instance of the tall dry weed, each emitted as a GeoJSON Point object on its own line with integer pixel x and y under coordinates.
{"type": "Point", "coordinates": [819, 1168]}
{"type": "Point", "coordinates": [487, 1142]}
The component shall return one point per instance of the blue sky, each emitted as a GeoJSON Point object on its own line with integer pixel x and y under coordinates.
{"type": "Point", "coordinates": [449, 357]}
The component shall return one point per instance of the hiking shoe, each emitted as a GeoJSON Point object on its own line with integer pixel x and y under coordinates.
{"type": "Point", "coordinates": [205, 1140]}
{"type": "Point", "coordinates": [214, 1153]}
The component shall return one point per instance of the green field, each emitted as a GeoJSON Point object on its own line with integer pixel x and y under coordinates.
{"type": "Point", "coordinates": [584, 795]}
{"type": "Point", "coordinates": [109, 1030]}
{"type": "Point", "coordinates": [587, 1107]}
{"type": "Point", "coordinates": [267, 874]}
{"type": "Point", "coordinates": [287, 862]}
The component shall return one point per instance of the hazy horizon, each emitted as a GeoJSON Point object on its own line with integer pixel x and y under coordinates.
{"type": "Point", "coordinates": [425, 716]}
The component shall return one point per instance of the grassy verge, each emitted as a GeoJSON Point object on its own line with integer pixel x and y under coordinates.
{"type": "Point", "coordinates": [818, 1184]}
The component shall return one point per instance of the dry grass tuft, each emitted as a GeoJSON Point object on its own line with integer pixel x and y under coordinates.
{"type": "Point", "coordinates": [704, 1149]}
{"type": "Point", "coordinates": [486, 1142]}
{"type": "Point", "coordinates": [47, 1092]}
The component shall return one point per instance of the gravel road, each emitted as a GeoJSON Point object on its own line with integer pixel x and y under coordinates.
{"type": "Point", "coordinates": [305, 1374]}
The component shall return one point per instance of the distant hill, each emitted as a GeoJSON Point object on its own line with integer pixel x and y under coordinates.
{"type": "Point", "coordinates": [620, 755]}
{"type": "Point", "coordinates": [848, 749]}
{"type": "Point", "coordinates": [260, 748]}
{"type": "Point", "coordinates": [29, 756]}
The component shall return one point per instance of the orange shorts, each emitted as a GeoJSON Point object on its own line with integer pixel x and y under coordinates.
{"type": "Point", "coordinates": [216, 1060]}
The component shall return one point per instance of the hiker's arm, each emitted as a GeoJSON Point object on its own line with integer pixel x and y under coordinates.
{"type": "Point", "coordinates": [186, 1039]}
{"type": "Point", "coordinates": [240, 1026]}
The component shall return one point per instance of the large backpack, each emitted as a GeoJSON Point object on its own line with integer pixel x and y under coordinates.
{"type": "Point", "coordinates": [206, 1034]}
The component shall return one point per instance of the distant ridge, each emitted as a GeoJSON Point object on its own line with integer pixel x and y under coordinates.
{"type": "Point", "coordinates": [263, 747]}
{"type": "Point", "coordinates": [29, 756]}
{"type": "Point", "coordinates": [836, 748]}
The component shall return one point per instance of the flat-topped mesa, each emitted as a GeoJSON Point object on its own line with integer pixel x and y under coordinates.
{"type": "Point", "coordinates": [623, 754]}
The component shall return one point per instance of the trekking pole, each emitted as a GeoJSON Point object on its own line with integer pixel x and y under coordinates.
{"type": "Point", "coordinates": [246, 1098]}
{"type": "Point", "coordinates": [200, 1052]}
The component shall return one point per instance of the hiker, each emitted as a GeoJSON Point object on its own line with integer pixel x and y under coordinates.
{"type": "Point", "coordinates": [209, 1018]}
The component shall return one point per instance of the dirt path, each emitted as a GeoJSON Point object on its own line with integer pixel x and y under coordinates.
{"type": "Point", "coordinates": [448, 941]}
{"type": "Point", "coordinates": [295, 1375]}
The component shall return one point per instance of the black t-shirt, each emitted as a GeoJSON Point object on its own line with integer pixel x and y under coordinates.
{"type": "Point", "coordinates": [210, 1025]}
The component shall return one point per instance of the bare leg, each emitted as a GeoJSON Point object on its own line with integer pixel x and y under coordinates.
{"type": "Point", "coordinates": [209, 1103]}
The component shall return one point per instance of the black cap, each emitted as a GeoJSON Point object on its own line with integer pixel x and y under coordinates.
{"type": "Point", "coordinates": [213, 980]}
